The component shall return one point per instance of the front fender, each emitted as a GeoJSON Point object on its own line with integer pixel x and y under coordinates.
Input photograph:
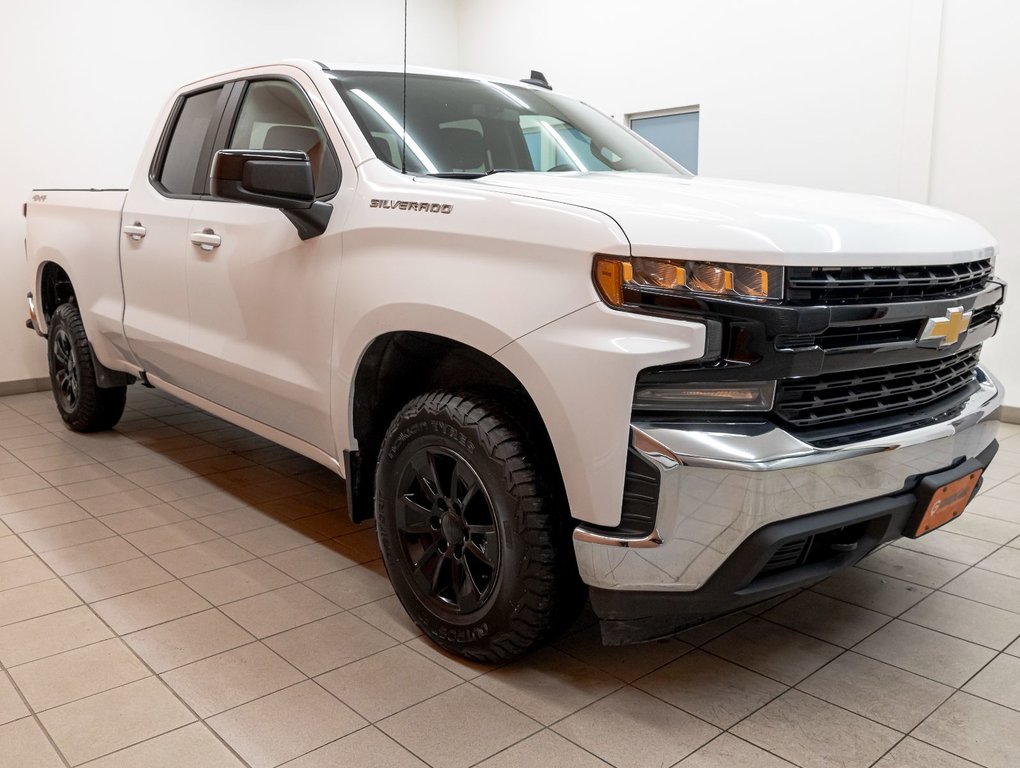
{"type": "Point", "coordinates": [492, 270]}
{"type": "Point", "coordinates": [580, 371]}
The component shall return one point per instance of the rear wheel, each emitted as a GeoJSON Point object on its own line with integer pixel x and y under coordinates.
{"type": "Point", "coordinates": [478, 552]}
{"type": "Point", "coordinates": [83, 404]}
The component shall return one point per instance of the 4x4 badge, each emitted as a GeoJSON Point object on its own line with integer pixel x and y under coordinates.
{"type": "Point", "coordinates": [945, 331]}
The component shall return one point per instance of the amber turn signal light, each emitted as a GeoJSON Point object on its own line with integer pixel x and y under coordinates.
{"type": "Point", "coordinates": [610, 276]}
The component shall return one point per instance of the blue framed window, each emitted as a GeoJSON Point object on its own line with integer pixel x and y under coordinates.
{"type": "Point", "coordinates": [674, 132]}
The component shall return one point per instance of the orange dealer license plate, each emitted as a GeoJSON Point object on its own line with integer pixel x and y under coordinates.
{"type": "Point", "coordinates": [947, 503]}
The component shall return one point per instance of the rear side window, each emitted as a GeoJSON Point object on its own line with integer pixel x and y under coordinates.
{"type": "Point", "coordinates": [275, 114]}
{"type": "Point", "coordinates": [180, 163]}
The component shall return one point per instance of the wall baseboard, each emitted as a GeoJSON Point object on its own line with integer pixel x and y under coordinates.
{"type": "Point", "coordinates": [1011, 414]}
{"type": "Point", "coordinates": [24, 386]}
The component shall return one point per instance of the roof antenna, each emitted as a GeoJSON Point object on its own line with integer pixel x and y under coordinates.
{"type": "Point", "coordinates": [537, 78]}
{"type": "Point", "coordinates": [403, 138]}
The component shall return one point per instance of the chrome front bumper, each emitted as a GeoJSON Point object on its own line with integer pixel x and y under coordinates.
{"type": "Point", "coordinates": [720, 483]}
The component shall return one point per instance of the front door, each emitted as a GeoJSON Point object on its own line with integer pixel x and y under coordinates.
{"type": "Point", "coordinates": [261, 300]}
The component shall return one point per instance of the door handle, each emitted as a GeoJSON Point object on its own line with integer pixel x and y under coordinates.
{"type": "Point", "coordinates": [135, 231]}
{"type": "Point", "coordinates": [206, 239]}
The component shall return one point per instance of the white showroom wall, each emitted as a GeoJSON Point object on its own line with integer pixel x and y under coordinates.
{"type": "Point", "coordinates": [82, 81]}
{"type": "Point", "coordinates": [835, 94]}
{"type": "Point", "coordinates": [916, 99]}
{"type": "Point", "coordinates": [976, 158]}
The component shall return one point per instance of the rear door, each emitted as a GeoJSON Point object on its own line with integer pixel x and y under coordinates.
{"type": "Point", "coordinates": [261, 300]}
{"type": "Point", "coordinates": [154, 235]}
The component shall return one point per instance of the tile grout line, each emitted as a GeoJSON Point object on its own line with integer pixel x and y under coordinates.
{"type": "Point", "coordinates": [955, 689]}
{"type": "Point", "coordinates": [123, 536]}
{"type": "Point", "coordinates": [887, 623]}
{"type": "Point", "coordinates": [168, 687]}
{"type": "Point", "coordinates": [35, 718]}
{"type": "Point", "coordinates": [794, 686]}
{"type": "Point", "coordinates": [89, 762]}
{"type": "Point", "coordinates": [623, 685]}
{"type": "Point", "coordinates": [210, 605]}
{"type": "Point", "coordinates": [936, 746]}
{"type": "Point", "coordinates": [584, 749]}
{"type": "Point", "coordinates": [163, 683]}
{"type": "Point", "coordinates": [998, 651]}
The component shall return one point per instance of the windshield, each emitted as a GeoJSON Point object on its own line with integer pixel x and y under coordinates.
{"type": "Point", "coordinates": [466, 127]}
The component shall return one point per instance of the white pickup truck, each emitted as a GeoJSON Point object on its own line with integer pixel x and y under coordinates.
{"type": "Point", "coordinates": [546, 359]}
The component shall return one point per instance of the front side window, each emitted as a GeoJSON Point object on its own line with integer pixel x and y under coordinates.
{"type": "Point", "coordinates": [469, 127]}
{"type": "Point", "coordinates": [184, 150]}
{"type": "Point", "coordinates": [275, 114]}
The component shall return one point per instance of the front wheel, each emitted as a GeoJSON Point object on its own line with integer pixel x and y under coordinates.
{"type": "Point", "coordinates": [83, 404]}
{"type": "Point", "coordinates": [478, 552]}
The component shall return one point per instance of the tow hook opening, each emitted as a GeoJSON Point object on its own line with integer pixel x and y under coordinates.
{"type": "Point", "coordinates": [817, 548]}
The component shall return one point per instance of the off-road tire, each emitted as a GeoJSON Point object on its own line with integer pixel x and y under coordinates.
{"type": "Point", "coordinates": [83, 404]}
{"type": "Point", "coordinates": [532, 591]}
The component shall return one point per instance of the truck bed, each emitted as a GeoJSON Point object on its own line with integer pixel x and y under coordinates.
{"type": "Point", "coordinates": [80, 230]}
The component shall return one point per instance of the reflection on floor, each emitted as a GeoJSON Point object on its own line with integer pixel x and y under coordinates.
{"type": "Point", "coordinates": [179, 592]}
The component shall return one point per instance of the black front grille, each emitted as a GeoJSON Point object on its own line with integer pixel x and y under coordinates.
{"type": "Point", "coordinates": [842, 337]}
{"type": "Point", "coordinates": [838, 398]}
{"type": "Point", "coordinates": [849, 337]}
{"type": "Point", "coordinates": [875, 285]}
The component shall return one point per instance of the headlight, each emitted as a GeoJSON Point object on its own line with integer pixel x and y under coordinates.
{"type": "Point", "coordinates": [614, 276]}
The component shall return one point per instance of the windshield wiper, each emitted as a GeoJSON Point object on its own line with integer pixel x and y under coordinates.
{"type": "Point", "coordinates": [472, 174]}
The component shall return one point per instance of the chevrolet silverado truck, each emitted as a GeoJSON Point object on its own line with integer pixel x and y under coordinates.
{"type": "Point", "coordinates": [549, 361]}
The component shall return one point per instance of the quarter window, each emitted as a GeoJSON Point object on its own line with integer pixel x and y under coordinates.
{"type": "Point", "coordinates": [180, 164]}
{"type": "Point", "coordinates": [275, 114]}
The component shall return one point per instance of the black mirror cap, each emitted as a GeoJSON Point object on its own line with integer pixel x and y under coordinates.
{"type": "Point", "coordinates": [270, 178]}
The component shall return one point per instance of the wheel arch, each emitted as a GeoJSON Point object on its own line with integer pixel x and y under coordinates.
{"type": "Point", "coordinates": [55, 287]}
{"type": "Point", "coordinates": [382, 385]}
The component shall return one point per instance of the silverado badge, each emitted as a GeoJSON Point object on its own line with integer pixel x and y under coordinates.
{"type": "Point", "coordinates": [411, 205]}
{"type": "Point", "coordinates": [945, 331]}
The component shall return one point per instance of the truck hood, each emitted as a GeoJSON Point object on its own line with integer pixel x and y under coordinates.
{"type": "Point", "coordinates": [769, 223]}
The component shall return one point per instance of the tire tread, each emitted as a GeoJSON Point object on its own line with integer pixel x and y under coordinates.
{"type": "Point", "coordinates": [551, 584]}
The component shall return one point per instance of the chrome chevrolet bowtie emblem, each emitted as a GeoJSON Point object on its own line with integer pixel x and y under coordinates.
{"type": "Point", "coordinates": [945, 331]}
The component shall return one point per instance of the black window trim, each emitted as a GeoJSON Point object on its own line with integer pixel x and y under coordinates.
{"type": "Point", "coordinates": [204, 157]}
{"type": "Point", "coordinates": [234, 89]}
{"type": "Point", "coordinates": [221, 127]}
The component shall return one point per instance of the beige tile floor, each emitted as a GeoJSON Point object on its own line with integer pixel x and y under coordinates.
{"type": "Point", "coordinates": [180, 592]}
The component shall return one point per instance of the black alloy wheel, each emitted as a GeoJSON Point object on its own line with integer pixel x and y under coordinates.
{"type": "Point", "coordinates": [66, 373]}
{"type": "Point", "coordinates": [448, 530]}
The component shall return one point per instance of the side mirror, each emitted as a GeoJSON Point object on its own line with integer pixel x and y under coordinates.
{"type": "Point", "coordinates": [274, 179]}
